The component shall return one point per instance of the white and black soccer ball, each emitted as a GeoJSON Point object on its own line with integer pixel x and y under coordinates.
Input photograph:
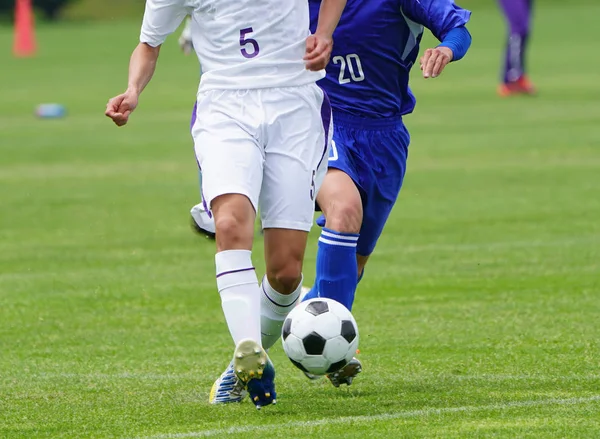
{"type": "Point", "coordinates": [320, 336]}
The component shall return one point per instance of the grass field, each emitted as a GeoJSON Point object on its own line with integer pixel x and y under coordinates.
{"type": "Point", "coordinates": [478, 314]}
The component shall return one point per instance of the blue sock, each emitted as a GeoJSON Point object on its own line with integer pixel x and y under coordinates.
{"type": "Point", "coordinates": [336, 268]}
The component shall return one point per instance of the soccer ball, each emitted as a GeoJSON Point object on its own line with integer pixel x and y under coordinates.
{"type": "Point", "coordinates": [320, 336]}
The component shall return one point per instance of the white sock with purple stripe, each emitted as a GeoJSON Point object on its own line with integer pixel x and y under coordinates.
{"type": "Point", "coordinates": [240, 294]}
{"type": "Point", "coordinates": [274, 308]}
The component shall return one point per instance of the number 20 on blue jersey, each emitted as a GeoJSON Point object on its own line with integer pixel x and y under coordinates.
{"type": "Point", "coordinates": [350, 68]}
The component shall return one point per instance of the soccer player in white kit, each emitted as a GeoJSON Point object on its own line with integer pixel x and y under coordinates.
{"type": "Point", "coordinates": [261, 132]}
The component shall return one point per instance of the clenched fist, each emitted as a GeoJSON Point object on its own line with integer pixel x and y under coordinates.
{"type": "Point", "coordinates": [120, 107]}
{"type": "Point", "coordinates": [318, 52]}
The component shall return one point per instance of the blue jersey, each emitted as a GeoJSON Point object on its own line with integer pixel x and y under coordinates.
{"type": "Point", "coordinates": [375, 45]}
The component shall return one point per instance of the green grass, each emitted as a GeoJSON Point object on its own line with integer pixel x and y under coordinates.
{"type": "Point", "coordinates": [478, 313]}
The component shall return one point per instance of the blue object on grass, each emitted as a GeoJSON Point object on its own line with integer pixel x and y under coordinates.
{"type": "Point", "coordinates": [50, 111]}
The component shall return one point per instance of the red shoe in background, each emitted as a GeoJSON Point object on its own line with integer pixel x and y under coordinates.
{"type": "Point", "coordinates": [521, 86]}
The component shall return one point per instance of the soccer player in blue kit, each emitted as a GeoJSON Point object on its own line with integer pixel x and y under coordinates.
{"type": "Point", "coordinates": [376, 45]}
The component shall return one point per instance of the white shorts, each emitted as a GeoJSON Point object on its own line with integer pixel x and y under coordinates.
{"type": "Point", "coordinates": [271, 145]}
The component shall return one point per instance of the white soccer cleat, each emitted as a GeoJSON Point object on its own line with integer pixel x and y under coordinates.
{"type": "Point", "coordinates": [227, 388]}
{"type": "Point", "coordinates": [254, 369]}
{"type": "Point", "coordinates": [203, 223]}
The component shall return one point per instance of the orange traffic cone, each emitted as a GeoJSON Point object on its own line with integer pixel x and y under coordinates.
{"type": "Point", "coordinates": [24, 44]}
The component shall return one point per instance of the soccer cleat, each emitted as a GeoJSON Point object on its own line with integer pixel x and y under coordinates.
{"type": "Point", "coordinates": [227, 388]}
{"type": "Point", "coordinates": [254, 369]}
{"type": "Point", "coordinates": [346, 374]}
{"type": "Point", "coordinates": [521, 86]}
{"type": "Point", "coordinates": [202, 223]}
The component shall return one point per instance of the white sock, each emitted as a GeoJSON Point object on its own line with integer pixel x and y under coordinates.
{"type": "Point", "coordinates": [240, 294]}
{"type": "Point", "coordinates": [274, 308]}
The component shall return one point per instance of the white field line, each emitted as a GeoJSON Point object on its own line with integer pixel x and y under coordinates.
{"type": "Point", "coordinates": [198, 376]}
{"type": "Point", "coordinates": [375, 418]}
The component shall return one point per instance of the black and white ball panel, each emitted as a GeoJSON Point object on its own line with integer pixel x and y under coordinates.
{"type": "Point", "coordinates": [349, 330]}
{"type": "Point", "coordinates": [317, 307]}
{"type": "Point", "coordinates": [320, 336]}
{"type": "Point", "coordinates": [314, 344]}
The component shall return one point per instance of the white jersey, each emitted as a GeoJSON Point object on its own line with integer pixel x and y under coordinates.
{"type": "Point", "coordinates": [241, 44]}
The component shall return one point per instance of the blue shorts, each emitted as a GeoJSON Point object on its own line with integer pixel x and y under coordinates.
{"type": "Point", "coordinates": [373, 153]}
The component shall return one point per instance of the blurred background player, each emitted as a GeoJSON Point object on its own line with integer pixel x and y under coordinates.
{"type": "Point", "coordinates": [272, 152]}
{"type": "Point", "coordinates": [367, 82]}
{"type": "Point", "coordinates": [514, 77]}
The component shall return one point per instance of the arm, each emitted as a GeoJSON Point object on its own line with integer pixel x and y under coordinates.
{"type": "Point", "coordinates": [458, 40]}
{"type": "Point", "coordinates": [447, 22]}
{"type": "Point", "coordinates": [453, 47]}
{"type": "Point", "coordinates": [319, 45]}
{"type": "Point", "coordinates": [161, 18]}
{"type": "Point", "coordinates": [329, 16]}
{"type": "Point", "coordinates": [141, 67]}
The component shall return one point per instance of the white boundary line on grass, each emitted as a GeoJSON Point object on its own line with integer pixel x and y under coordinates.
{"type": "Point", "coordinates": [374, 418]}
{"type": "Point", "coordinates": [406, 379]}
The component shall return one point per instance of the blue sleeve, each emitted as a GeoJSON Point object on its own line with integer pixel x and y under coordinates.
{"type": "Point", "coordinates": [459, 41]}
{"type": "Point", "coordinates": [439, 16]}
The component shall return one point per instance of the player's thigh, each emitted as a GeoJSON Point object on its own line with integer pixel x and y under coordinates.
{"type": "Point", "coordinates": [383, 187]}
{"type": "Point", "coordinates": [299, 136]}
{"type": "Point", "coordinates": [340, 202]}
{"type": "Point", "coordinates": [229, 157]}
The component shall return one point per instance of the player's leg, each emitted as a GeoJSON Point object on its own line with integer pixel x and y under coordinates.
{"type": "Point", "coordinates": [231, 164]}
{"type": "Point", "coordinates": [517, 16]}
{"type": "Point", "coordinates": [295, 166]}
{"type": "Point", "coordinates": [281, 285]}
{"type": "Point", "coordinates": [388, 150]}
{"type": "Point", "coordinates": [529, 18]}
{"type": "Point", "coordinates": [341, 203]}
{"type": "Point", "coordinates": [517, 13]}
{"type": "Point", "coordinates": [390, 154]}
{"type": "Point", "coordinates": [338, 272]}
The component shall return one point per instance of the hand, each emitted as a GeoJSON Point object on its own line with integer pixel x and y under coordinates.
{"type": "Point", "coordinates": [435, 60]}
{"type": "Point", "coordinates": [318, 52]}
{"type": "Point", "coordinates": [120, 107]}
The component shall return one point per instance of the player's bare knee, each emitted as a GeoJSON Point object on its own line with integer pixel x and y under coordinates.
{"type": "Point", "coordinates": [228, 229]}
{"type": "Point", "coordinates": [286, 277]}
{"type": "Point", "coordinates": [344, 217]}
{"type": "Point", "coordinates": [234, 222]}
{"type": "Point", "coordinates": [233, 232]}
